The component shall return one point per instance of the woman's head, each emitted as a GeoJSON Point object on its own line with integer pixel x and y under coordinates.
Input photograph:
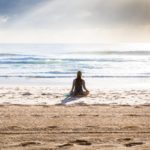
{"type": "Point", "coordinates": [79, 75]}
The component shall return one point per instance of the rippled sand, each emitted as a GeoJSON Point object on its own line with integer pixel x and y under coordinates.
{"type": "Point", "coordinates": [74, 127]}
{"type": "Point", "coordinates": [45, 118]}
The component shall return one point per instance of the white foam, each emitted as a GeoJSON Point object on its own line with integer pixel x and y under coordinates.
{"type": "Point", "coordinates": [46, 95]}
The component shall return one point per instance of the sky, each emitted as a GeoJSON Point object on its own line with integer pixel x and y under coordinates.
{"type": "Point", "coordinates": [74, 21]}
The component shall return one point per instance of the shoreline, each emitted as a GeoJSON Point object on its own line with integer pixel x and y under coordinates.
{"type": "Point", "coordinates": [101, 83]}
{"type": "Point", "coordinates": [47, 95]}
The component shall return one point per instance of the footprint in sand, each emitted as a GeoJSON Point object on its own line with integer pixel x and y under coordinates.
{"type": "Point", "coordinates": [24, 144]}
{"type": "Point", "coordinates": [66, 145]}
{"type": "Point", "coordinates": [131, 127]}
{"type": "Point", "coordinates": [13, 127]}
{"type": "Point", "coordinates": [26, 94]}
{"type": "Point", "coordinates": [82, 115]}
{"type": "Point", "coordinates": [124, 139]}
{"type": "Point", "coordinates": [78, 142]}
{"type": "Point", "coordinates": [46, 94]}
{"type": "Point", "coordinates": [52, 127]}
{"type": "Point", "coordinates": [92, 127]}
{"type": "Point", "coordinates": [95, 115]}
{"type": "Point", "coordinates": [133, 144]}
{"type": "Point", "coordinates": [36, 115]}
{"type": "Point", "coordinates": [133, 115]}
{"type": "Point", "coordinates": [81, 142]}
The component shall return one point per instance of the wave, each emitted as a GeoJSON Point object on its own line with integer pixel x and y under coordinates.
{"type": "Point", "coordinates": [7, 58]}
{"type": "Point", "coordinates": [13, 55]}
{"type": "Point", "coordinates": [72, 76]}
{"type": "Point", "coordinates": [7, 55]}
{"type": "Point", "coordinates": [142, 52]}
{"type": "Point", "coordinates": [63, 66]}
{"type": "Point", "coordinates": [35, 60]}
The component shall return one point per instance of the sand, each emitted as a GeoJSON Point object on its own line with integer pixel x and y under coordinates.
{"type": "Point", "coordinates": [43, 118]}
{"type": "Point", "coordinates": [74, 127]}
{"type": "Point", "coordinates": [46, 95]}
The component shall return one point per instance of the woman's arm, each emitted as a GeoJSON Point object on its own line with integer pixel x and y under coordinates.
{"type": "Point", "coordinates": [84, 86]}
{"type": "Point", "coordinates": [73, 85]}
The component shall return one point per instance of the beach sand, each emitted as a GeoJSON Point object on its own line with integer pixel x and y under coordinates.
{"type": "Point", "coordinates": [41, 118]}
{"type": "Point", "coordinates": [46, 95]}
{"type": "Point", "coordinates": [74, 127]}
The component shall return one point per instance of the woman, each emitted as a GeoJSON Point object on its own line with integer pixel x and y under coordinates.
{"type": "Point", "coordinates": [78, 86]}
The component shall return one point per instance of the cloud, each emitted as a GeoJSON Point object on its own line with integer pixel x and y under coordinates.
{"type": "Point", "coordinates": [15, 9]}
{"type": "Point", "coordinates": [87, 13]}
{"type": "Point", "coordinates": [134, 12]}
{"type": "Point", "coordinates": [3, 19]}
{"type": "Point", "coordinates": [11, 7]}
{"type": "Point", "coordinates": [77, 20]}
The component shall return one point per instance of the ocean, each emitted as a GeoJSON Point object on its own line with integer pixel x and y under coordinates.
{"type": "Point", "coordinates": [54, 64]}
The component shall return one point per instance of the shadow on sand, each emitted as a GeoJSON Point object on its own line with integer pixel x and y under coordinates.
{"type": "Point", "coordinates": [70, 99]}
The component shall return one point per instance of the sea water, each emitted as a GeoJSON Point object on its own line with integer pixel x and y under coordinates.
{"type": "Point", "coordinates": [56, 64]}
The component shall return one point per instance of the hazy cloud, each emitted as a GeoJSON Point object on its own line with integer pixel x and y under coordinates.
{"type": "Point", "coordinates": [3, 19]}
{"type": "Point", "coordinates": [11, 7]}
{"type": "Point", "coordinates": [91, 13]}
{"type": "Point", "coordinates": [97, 19]}
{"type": "Point", "coordinates": [15, 9]}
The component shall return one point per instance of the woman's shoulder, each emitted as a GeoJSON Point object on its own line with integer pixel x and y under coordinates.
{"type": "Point", "coordinates": [83, 80]}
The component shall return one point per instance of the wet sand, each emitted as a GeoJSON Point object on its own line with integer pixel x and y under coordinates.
{"type": "Point", "coordinates": [74, 127]}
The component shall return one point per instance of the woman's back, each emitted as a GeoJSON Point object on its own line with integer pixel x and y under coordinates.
{"type": "Point", "coordinates": [78, 86]}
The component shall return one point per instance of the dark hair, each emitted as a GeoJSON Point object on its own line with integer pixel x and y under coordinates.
{"type": "Point", "coordinates": [79, 74]}
{"type": "Point", "coordinates": [78, 79]}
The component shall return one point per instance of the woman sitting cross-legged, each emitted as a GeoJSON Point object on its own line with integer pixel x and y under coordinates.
{"type": "Point", "coordinates": [78, 86]}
